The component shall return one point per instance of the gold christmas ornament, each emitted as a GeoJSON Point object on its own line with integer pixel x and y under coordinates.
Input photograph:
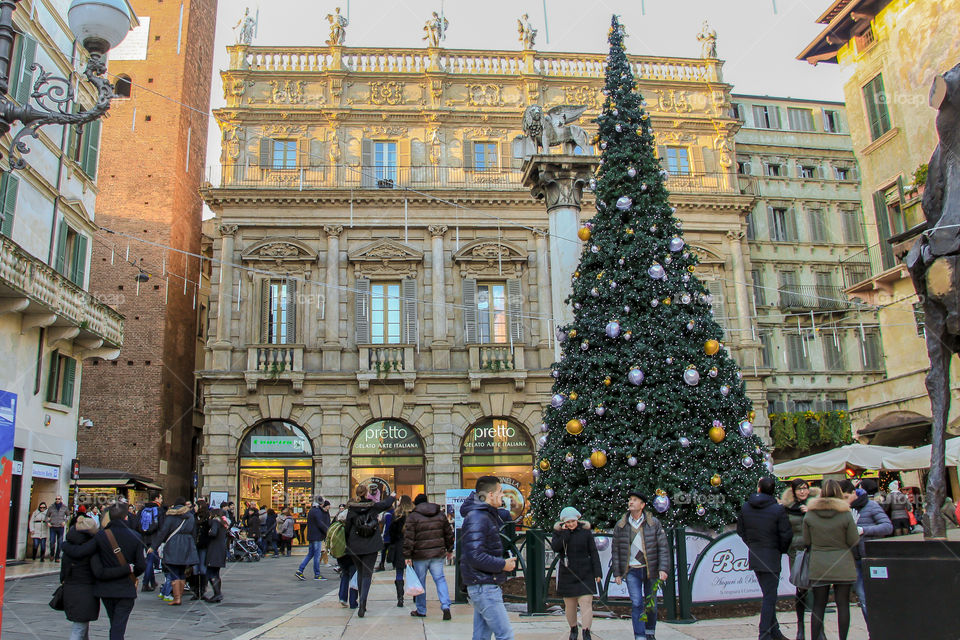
{"type": "Point", "coordinates": [576, 274]}
{"type": "Point", "coordinates": [715, 480]}
{"type": "Point", "coordinates": [752, 415]}
{"type": "Point", "coordinates": [583, 234]}
{"type": "Point", "coordinates": [629, 231]}
{"type": "Point", "coordinates": [600, 275]}
{"type": "Point", "coordinates": [544, 465]}
{"type": "Point", "coordinates": [717, 434]}
{"type": "Point", "coordinates": [573, 395]}
{"type": "Point", "coordinates": [667, 301]}
{"type": "Point", "coordinates": [574, 428]}
{"type": "Point", "coordinates": [572, 333]}
{"type": "Point", "coordinates": [692, 268]}
{"type": "Point", "coordinates": [607, 381]}
{"type": "Point", "coordinates": [598, 458]}
{"type": "Point", "coordinates": [711, 347]}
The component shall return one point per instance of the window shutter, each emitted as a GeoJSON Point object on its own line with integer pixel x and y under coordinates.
{"type": "Point", "coordinates": [24, 72]}
{"type": "Point", "coordinates": [266, 151]}
{"type": "Point", "coordinates": [73, 140]}
{"type": "Point", "coordinates": [715, 288]}
{"type": "Point", "coordinates": [662, 155]}
{"type": "Point", "coordinates": [60, 261]}
{"type": "Point", "coordinates": [69, 377]}
{"type": "Point", "coordinates": [78, 265]}
{"type": "Point", "coordinates": [291, 312]}
{"type": "Point", "coordinates": [8, 191]}
{"type": "Point", "coordinates": [883, 228]}
{"type": "Point", "coordinates": [777, 121]}
{"type": "Point", "coordinates": [52, 382]}
{"type": "Point", "coordinates": [515, 309]}
{"type": "Point", "coordinates": [791, 216]}
{"type": "Point", "coordinates": [409, 299]}
{"type": "Point", "coordinates": [772, 225]}
{"type": "Point", "coordinates": [467, 154]}
{"type": "Point", "coordinates": [403, 156]}
{"type": "Point", "coordinates": [264, 311]}
{"type": "Point", "coordinates": [14, 72]}
{"type": "Point", "coordinates": [91, 144]}
{"type": "Point", "coordinates": [367, 173]}
{"type": "Point", "coordinates": [470, 329]}
{"type": "Point", "coordinates": [361, 305]}
{"type": "Point", "coordinates": [303, 153]}
{"type": "Point", "coordinates": [506, 156]}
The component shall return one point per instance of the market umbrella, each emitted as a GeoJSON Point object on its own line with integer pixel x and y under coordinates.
{"type": "Point", "coordinates": [862, 456]}
{"type": "Point", "coordinates": [919, 458]}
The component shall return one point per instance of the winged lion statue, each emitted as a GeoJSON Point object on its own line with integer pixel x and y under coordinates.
{"type": "Point", "coordinates": [553, 127]}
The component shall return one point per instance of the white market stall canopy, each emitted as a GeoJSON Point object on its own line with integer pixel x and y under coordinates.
{"type": "Point", "coordinates": [919, 458]}
{"type": "Point", "coordinates": [862, 456]}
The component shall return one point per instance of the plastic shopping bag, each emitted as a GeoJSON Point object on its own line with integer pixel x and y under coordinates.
{"type": "Point", "coordinates": [411, 583]}
{"type": "Point", "coordinates": [353, 581]}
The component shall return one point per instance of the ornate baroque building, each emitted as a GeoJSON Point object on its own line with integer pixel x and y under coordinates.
{"type": "Point", "coordinates": [381, 298]}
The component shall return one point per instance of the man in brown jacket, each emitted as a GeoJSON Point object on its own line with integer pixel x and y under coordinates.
{"type": "Point", "coordinates": [427, 538]}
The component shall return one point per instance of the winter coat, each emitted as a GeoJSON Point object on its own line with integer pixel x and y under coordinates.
{"type": "Point", "coordinates": [427, 533]}
{"type": "Point", "coordinates": [178, 544]}
{"type": "Point", "coordinates": [318, 521]}
{"type": "Point", "coordinates": [285, 525]}
{"type": "Point", "coordinates": [357, 545]}
{"type": "Point", "coordinates": [579, 564]}
{"type": "Point", "coordinates": [481, 561]}
{"type": "Point", "coordinates": [79, 545]}
{"type": "Point", "coordinates": [57, 517]}
{"type": "Point", "coordinates": [395, 546]}
{"type": "Point", "coordinates": [270, 526]}
{"type": "Point", "coordinates": [201, 534]}
{"type": "Point", "coordinates": [795, 515]}
{"type": "Point", "coordinates": [113, 579]}
{"type": "Point", "coordinates": [764, 527]}
{"type": "Point", "coordinates": [386, 522]}
{"type": "Point", "coordinates": [251, 522]}
{"type": "Point", "coordinates": [217, 543]}
{"type": "Point", "coordinates": [870, 516]}
{"type": "Point", "coordinates": [655, 539]}
{"type": "Point", "coordinates": [150, 539]}
{"type": "Point", "coordinates": [831, 533]}
{"type": "Point", "coordinates": [897, 505]}
{"type": "Point", "coordinates": [38, 525]}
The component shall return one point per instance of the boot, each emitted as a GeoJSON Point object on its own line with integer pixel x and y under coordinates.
{"type": "Point", "coordinates": [203, 586]}
{"type": "Point", "coordinates": [399, 585]}
{"type": "Point", "coordinates": [574, 633]}
{"type": "Point", "coordinates": [215, 585]}
{"type": "Point", "coordinates": [177, 588]}
{"type": "Point", "coordinates": [586, 635]}
{"type": "Point", "coordinates": [195, 587]}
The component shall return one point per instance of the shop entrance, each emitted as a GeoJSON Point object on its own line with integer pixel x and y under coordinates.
{"type": "Point", "coordinates": [276, 467]}
{"type": "Point", "coordinates": [388, 455]}
{"type": "Point", "coordinates": [498, 447]}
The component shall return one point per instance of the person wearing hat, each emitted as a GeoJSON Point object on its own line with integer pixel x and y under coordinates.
{"type": "Point", "coordinates": [640, 554]}
{"type": "Point", "coordinates": [579, 568]}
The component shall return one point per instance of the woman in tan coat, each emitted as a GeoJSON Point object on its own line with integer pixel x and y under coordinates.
{"type": "Point", "coordinates": [830, 532]}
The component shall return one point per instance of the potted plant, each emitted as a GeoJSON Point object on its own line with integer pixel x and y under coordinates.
{"type": "Point", "coordinates": [919, 181]}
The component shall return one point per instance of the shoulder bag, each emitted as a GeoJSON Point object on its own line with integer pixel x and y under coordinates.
{"type": "Point", "coordinates": [118, 554]}
{"type": "Point", "coordinates": [56, 602]}
{"type": "Point", "coordinates": [169, 538]}
{"type": "Point", "coordinates": [800, 569]}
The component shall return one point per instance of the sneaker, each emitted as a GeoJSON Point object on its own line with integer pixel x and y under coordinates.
{"type": "Point", "coordinates": [319, 577]}
{"type": "Point", "coordinates": [343, 603]}
{"type": "Point", "coordinates": [299, 575]}
{"type": "Point", "coordinates": [167, 598]}
{"type": "Point", "coordinates": [446, 614]}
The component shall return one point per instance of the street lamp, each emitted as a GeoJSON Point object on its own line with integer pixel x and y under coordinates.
{"type": "Point", "coordinates": [99, 25]}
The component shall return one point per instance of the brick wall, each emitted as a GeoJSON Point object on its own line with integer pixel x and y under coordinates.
{"type": "Point", "coordinates": [141, 403]}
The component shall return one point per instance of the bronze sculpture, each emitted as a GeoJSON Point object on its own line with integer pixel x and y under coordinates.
{"type": "Point", "coordinates": [934, 265]}
{"type": "Point", "coordinates": [554, 127]}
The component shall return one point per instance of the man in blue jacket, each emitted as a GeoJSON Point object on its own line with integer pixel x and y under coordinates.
{"type": "Point", "coordinates": [318, 521]}
{"type": "Point", "coordinates": [482, 565]}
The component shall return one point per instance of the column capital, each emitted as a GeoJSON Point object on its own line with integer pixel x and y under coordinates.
{"type": "Point", "coordinates": [558, 179]}
{"type": "Point", "coordinates": [736, 235]}
{"type": "Point", "coordinates": [227, 229]}
{"type": "Point", "coordinates": [540, 232]}
{"type": "Point", "coordinates": [437, 230]}
{"type": "Point", "coordinates": [333, 230]}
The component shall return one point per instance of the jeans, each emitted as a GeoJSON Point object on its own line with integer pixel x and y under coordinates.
{"type": "Point", "coordinates": [858, 588]}
{"type": "Point", "coordinates": [200, 569]}
{"type": "Point", "coordinates": [56, 540]}
{"type": "Point", "coordinates": [769, 583]}
{"type": "Point", "coordinates": [364, 564]}
{"type": "Point", "coordinates": [80, 631]}
{"type": "Point", "coordinates": [177, 571]}
{"type": "Point", "coordinates": [347, 569]}
{"type": "Point", "coordinates": [313, 552]}
{"type": "Point", "coordinates": [118, 610]}
{"type": "Point", "coordinates": [41, 545]}
{"type": "Point", "coordinates": [149, 577]}
{"type": "Point", "coordinates": [639, 586]}
{"type": "Point", "coordinates": [167, 588]}
{"type": "Point", "coordinates": [489, 614]}
{"type": "Point", "coordinates": [435, 566]}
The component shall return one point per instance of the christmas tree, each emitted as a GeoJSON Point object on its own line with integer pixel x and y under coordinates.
{"type": "Point", "coordinates": [645, 396]}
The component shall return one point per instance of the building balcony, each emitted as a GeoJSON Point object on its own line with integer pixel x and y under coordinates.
{"type": "Point", "coordinates": [496, 362]}
{"type": "Point", "coordinates": [274, 362]}
{"type": "Point", "coordinates": [813, 298]}
{"type": "Point", "coordinates": [389, 362]}
{"type": "Point", "coordinates": [46, 298]}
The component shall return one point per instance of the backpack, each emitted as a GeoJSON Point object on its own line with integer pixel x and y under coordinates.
{"type": "Point", "coordinates": [337, 540]}
{"type": "Point", "coordinates": [149, 520]}
{"type": "Point", "coordinates": [367, 525]}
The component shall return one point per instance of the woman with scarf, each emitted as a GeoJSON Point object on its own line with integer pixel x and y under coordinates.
{"type": "Point", "coordinates": [794, 501]}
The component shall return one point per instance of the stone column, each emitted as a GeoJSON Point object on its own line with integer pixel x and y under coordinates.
{"type": "Point", "coordinates": [440, 347]}
{"type": "Point", "coordinates": [443, 456]}
{"type": "Point", "coordinates": [331, 305]}
{"type": "Point", "coordinates": [740, 284]}
{"type": "Point", "coordinates": [559, 181]}
{"type": "Point", "coordinates": [543, 297]}
{"type": "Point", "coordinates": [223, 346]}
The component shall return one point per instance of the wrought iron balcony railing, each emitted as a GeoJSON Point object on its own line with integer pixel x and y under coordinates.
{"type": "Point", "coordinates": [813, 297]}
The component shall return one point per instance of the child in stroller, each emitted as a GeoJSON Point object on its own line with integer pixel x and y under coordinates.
{"type": "Point", "coordinates": [241, 548]}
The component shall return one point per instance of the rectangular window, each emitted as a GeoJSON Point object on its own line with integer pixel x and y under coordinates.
{"type": "Point", "coordinates": [743, 167]}
{"type": "Point", "coordinates": [736, 111]}
{"type": "Point", "coordinates": [284, 154]}
{"type": "Point", "coordinates": [832, 352]}
{"type": "Point", "coordinates": [920, 319]}
{"type": "Point", "coordinates": [759, 299]}
{"type": "Point", "coordinates": [837, 405]}
{"type": "Point", "coordinates": [873, 358]}
{"type": "Point", "coordinates": [492, 312]}
{"type": "Point", "coordinates": [766, 351]}
{"type": "Point", "coordinates": [385, 160]}
{"type": "Point", "coordinates": [854, 275]}
{"type": "Point", "coordinates": [789, 289]}
{"type": "Point", "coordinates": [385, 303]}
{"type": "Point", "coordinates": [865, 39]}
{"type": "Point", "coordinates": [277, 313]}
{"type": "Point", "coordinates": [71, 256]}
{"type": "Point", "coordinates": [800, 119]}
{"type": "Point", "coordinates": [826, 292]}
{"type": "Point", "coordinates": [765, 117]}
{"type": "Point", "coordinates": [818, 225]}
{"type": "Point", "coordinates": [751, 227]}
{"type": "Point", "coordinates": [831, 121]}
{"type": "Point", "coordinates": [852, 227]}
{"type": "Point", "coordinates": [803, 405]}
{"type": "Point", "coordinates": [796, 353]}
{"type": "Point", "coordinates": [678, 161]}
{"type": "Point", "coordinates": [9, 185]}
{"type": "Point", "coordinates": [808, 172]}
{"type": "Point", "coordinates": [774, 170]}
{"type": "Point", "coordinates": [783, 228]}
{"type": "Point", "coordinates": [60, 381]}
{"type": "Point", "coordinates": [875, 99]}
{"type": "Point", "coordinates": [485, 156]}
{"type": "Point", "coordinates": [841, 173]}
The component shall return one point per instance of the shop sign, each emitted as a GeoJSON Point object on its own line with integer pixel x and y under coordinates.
{"type": "Point", "coordinates": [513, 498]}
{"type": "Point", "coordinates": [18, 467]}
{"type": "Point", "coordinates": [391, 438]}
{"type": "Point", "coordinates": [496, 437]}
{"type": "Point", "coordinates": [46, 471]}
{"type": "Point", "coordinates": [277, 444]}
{"type": "Point", "coordinates": [723, 573]}
{"type": "Point", "coordinates": [455, 500]}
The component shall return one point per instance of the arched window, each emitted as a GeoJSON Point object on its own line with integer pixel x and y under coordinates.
{"type": "Point", "coordinates": [276, 466]}
{"type": "Point", "coordinates": [499, 447]}
{"type": "Point", "coordinates": [388, 455]}
{"type": "Point", "coordinates": [123, 86]}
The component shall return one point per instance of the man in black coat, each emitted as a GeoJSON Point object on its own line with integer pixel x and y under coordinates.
{"type": "Point", "coordinates": [318, 521]}
{"type": "Point", "coordinates": [765, 528]}
{"type": "Point", "coordinates": [116, 581]}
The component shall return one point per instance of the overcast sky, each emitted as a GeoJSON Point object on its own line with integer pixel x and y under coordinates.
{"type": "Point", "coordinates": [758, 39]}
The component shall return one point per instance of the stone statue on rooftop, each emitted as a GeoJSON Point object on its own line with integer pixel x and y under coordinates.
{"type": "Point", "coordinates": [528, 34]}
{"type": "Point", "coordinates": [338, 28]}
{"type": "Point", "coordinates": [246, 28]}
{"type": "Point", "coordinates": [708, 42]}
{"type": "Point", "coordinates": [436, 30]}
{"type": "Point", "coordinates": [554, 127]}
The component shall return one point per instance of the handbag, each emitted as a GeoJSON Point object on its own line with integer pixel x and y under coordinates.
{"type": "Point", "coordinates": [56, 602]}
{"type": "Point", "coordinates": [119, 556]}
{"type": "Point", "coordinates": [411, 581]}
{"type": "Point", "coordinates": [169, 538]}
{"type": "Point", "coordinates": [800, 570]}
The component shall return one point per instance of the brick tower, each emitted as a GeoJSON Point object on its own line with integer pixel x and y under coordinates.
{"type": "Point", "coordinates": [152, 155]}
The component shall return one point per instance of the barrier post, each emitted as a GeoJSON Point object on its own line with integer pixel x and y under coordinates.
{"type": "Point", "coordinates": [683, 579]}
{"type": "Point", "coordinates": [533, 573]}
{"type": "Point", "coordinates": [459, 592]}
{"type": "Point", "coordinates": [669, 587]}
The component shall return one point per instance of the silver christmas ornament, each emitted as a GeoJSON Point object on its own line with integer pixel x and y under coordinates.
{"type": "Point", "coordinates": [569, 458]}
{"type": "Point", "coordinates": [621, 262]}
{"type": "Point", "coordinates": [555, 373]}
{"type": "Point", "coordinates": [661, 503]}
{"type": "Point", "coordinates": [686, 277]}
{"type": "Point", "coordinates": [595, 292]}
{"type": "Point", "coordinates": [626, 308]}
{"type": "Point", "coordinates": [587, 464]}
{"type": "Point", "coordinates": [613, 329]}
{"type": "Point", "coordinates": [536, 474]}
{"type": "Point", "coordinates": [632, 461]}
{"type": "Point", "coordinates": [603, 145]}
{"type": "Point", "coordinates": [739, 376]}
{"type": "Point", "coordinates": [676, 243]}
{"type": "Point", "coordinates": [667, 260]}
{"type": "Point", "coordinates": [618, 127]}
{"type": "Point", "coordinates": [632, 172]}
{"type": "Point", "coordinates": [747, 462]}
{"type": "Point", "coordinates": [624, 203]}
{"type": "Point", "coordinates": [600, 410]}
{"type": "Point", "coordinates": [557, 400]}
{"type": "Point", "coordinates": [654, 302]}
{"type": "Point", "coordinates": [641, 406]}
{"type": "Point", "coordinates": [576, 305]}
{"type": "Point", "coordinates": [653, 228]}
{"type": "Point", "coordinates": [656, 272]}
{"type": "Point", "coordinates": [769, 465]}
{"type": "Point", "coordinates": [627, 335]}
{"type": "Point", "coordinates": [669, 360]}
{"type": "Point", "coordinates": [595, 249]}
{"type": "Point", "coordinates": [690, 325]}
{"type": "Point", "coordinates": [700, 510]}
{"type": "Point", "coordinates": [561, 335]}
{"type": "Point", "coordinates": [544, 427]}
{"type": "Point", "coordinates": [643, 186]}
{"type": "Point", "coordinates": [724, 390]}
{"type": "Point", "coordinates": [549, 493]}
{"type": "Point", "coordinates": [542, 441]}
{"type": "Point", "coordinates": [616, 112]}
{"type": "Point", "coordinates": [584, 345]}
{"type": "Point", "coordinates": [745, 428]}
{"type": "Point", "coordinates": [635, 376]}
{"type": "Point", "coordinates": [684, 441]}
{"type": "Point", "coordinates": [602, 542]}
{"type": "Point", "coordinates": [712, 372]}
{"type": "Point", "coordinates": [613, 284]}
{"type": "Point", "coordinates": [593, 183]}
{"type": "Point", "coordinates": [691, 377]}
{"type": "Point", "coordinates": [685, 298]}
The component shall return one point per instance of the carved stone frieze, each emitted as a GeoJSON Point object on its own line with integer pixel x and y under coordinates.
{"type": "Point", "coordinates": [385, 257]}
{"type": "Point", "coordinates": [386, 93]}
{"type": "Point", "coordinates": [673, 101]}
{"type": "Point", "coordinates": [280, 250]}
{"type": "Point", "coordinates": [287, 92]}
{"type": "Point", "coordinates": [485, 95]}
{"type": "Point", "coordinates": [490, 258]}
{"type": "Point", "coordinates": [484, 132]}
{"type": "Point", "coordinates": [589, 96]}
{"type": "Point", "coordinates": [271, 130]}
{"type": "Point", "coordinates": [386, 131]}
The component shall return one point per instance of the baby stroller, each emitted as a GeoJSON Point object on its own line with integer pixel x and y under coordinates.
{"type": "Point", "coordinates": [242, 548]}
